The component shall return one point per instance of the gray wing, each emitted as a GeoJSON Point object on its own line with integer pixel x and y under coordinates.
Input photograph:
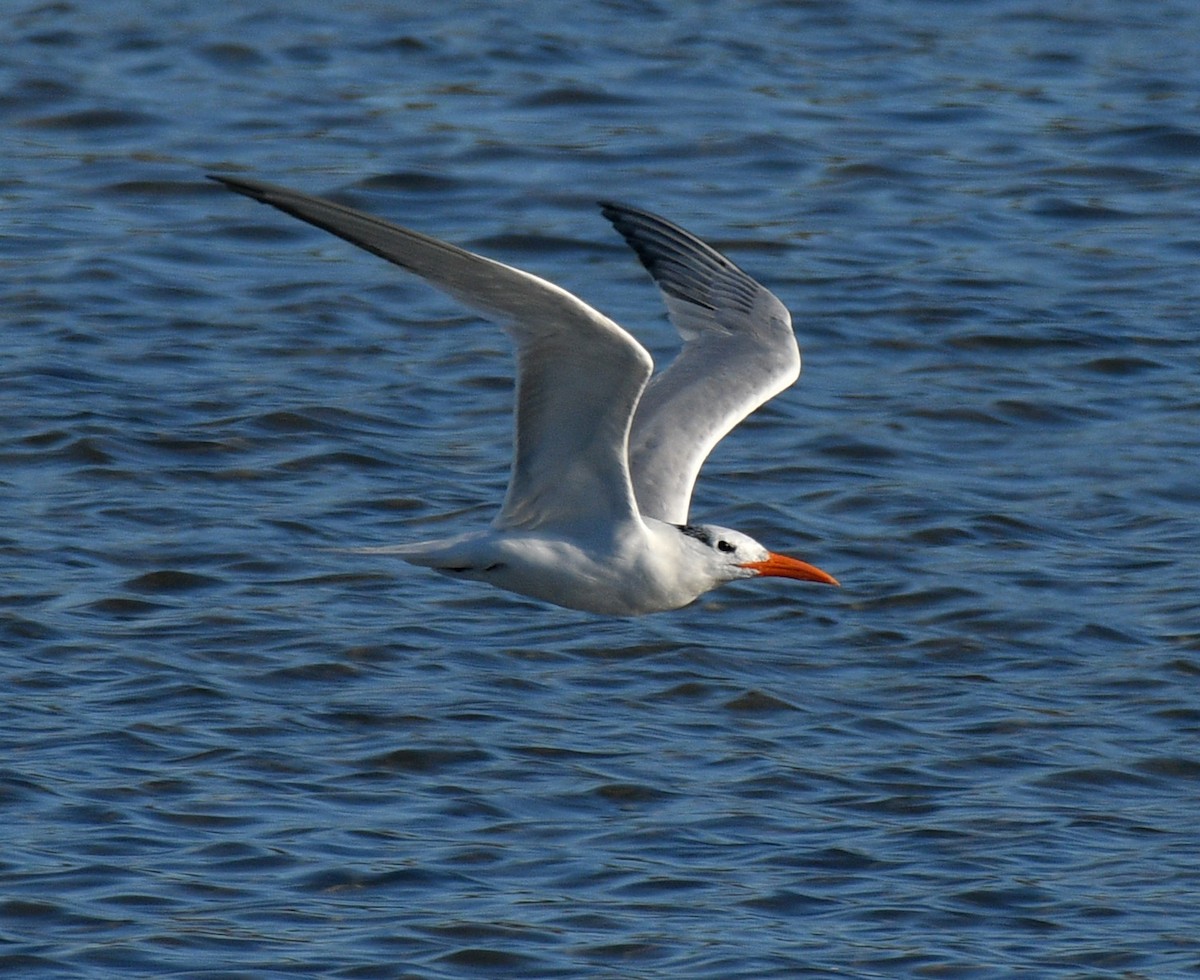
{"type": "Point", "coordinates": [579, 375]}
{"type": "Point", "coordinates": [739, 351]}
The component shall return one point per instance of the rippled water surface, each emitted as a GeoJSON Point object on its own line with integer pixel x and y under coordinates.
{"type": "Point", "coordinates": [229, 750]}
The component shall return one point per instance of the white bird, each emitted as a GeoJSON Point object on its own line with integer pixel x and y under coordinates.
{"type": "Point", "coordinates": [604, 461]}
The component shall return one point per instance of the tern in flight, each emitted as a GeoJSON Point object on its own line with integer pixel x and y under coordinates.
{"type": "Point", "coordinates": [604, 456]}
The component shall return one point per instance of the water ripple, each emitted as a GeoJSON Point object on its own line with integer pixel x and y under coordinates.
{"type": "Point", "coordinates": [236, 749]}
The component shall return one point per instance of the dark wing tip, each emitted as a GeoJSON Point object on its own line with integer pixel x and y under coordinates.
{"type": "Point", "coordinates": [251, 188]}
{"type": "Point", "coordinates": [627, 220]}
{"type": "Point", "coordinates": [231, 182]}
{"type": "Point", "coordinates": [681, 264]}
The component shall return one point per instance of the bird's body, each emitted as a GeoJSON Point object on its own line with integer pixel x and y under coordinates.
{"type": "Point", "coordinates": [639, 569]}
{"type": "Point", "coordinates": [628, 573]}
{"type": "Point", "coordinates": [604, 459]}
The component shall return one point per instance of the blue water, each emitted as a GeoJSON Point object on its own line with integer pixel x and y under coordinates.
{"type": "Point", "coordinates": [228, 750]}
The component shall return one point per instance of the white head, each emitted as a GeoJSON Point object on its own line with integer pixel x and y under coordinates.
{"type": "Point", "coordinates": [727, 555]}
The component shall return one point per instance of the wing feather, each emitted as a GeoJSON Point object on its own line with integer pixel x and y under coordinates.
{"type": "Point", "coordinates": [739, 351]}
{"type": "Point", "coordinates": [579, 374]}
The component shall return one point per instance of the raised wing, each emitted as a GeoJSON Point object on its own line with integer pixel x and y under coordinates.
{"type": "Point", "coordinates": [579, 375]}
{"type": "Point", "coordinates": [738, 352]}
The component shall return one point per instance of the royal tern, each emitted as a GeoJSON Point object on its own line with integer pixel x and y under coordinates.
{"type": "Point", "coordinates": [604, 459]}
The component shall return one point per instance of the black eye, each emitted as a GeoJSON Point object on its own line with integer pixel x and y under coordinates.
{"type": "Point", "coordinates": [726, 546]}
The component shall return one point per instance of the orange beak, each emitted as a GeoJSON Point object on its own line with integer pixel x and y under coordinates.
{"type": "Point", "coordinates": [784, 567]}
